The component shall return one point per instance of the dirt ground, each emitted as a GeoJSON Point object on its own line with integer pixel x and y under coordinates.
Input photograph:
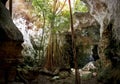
{"type": "Point", "coordinates": [42, 79]}
{"type": "Point", "coordinates": [68, 80]}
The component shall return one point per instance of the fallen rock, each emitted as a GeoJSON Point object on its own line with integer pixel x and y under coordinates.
{"type": "Point", "coordinates": [89, 66]}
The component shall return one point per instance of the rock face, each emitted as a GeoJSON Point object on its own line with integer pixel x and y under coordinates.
{"type": "Point", "coordinates": [107, 14]}
{"type": "Point", "coordinates": [86, 36]}
{"type": "Point", "coordinates": [84, 20]}
{"type": "Point", "coordinates": [10, 46]}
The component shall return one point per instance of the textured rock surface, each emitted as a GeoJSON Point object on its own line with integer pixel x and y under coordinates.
{"type": "Point", "coordinates": [87, 35]}
{"type": "Point", "coordinates": [84, 20]}
{"type": "Point", "coordinates": [107, 14]}
{"type": "Point", "coordinates": [87, 25]}
{"type": "Point", "coordinates": [10, 46]}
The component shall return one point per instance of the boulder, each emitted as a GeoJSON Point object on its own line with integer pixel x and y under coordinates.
{"type": "Point", "coordinates": [89, 66]}
{"type": "Point", "coordinates": [10, 46]}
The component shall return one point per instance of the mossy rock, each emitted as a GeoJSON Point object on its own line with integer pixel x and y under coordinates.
{"type": "Point", "coordinates": [109, 75]}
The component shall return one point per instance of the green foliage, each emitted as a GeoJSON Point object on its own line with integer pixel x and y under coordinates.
{"type": "Point", "coordinates": [109, 75]}
{"type": "Point", "coordinates": [56, 20]}
{"type": "Point", "coordinates": [46, 9]}
{"type": "Point", "coordinates": [80, 6]}
{"type": "Point", "coordinates": [105, 75]}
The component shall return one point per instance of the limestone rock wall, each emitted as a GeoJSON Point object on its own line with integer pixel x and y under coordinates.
{"type": "Point", "coordinates": [107, 14]}
{"type": "Point", "coordinates": [10, 46]}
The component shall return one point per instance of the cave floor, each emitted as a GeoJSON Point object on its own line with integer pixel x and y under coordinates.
{"type": "Point", "coordinates": [42, 79]}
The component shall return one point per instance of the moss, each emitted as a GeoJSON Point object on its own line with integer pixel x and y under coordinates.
{"type": "Point", "coordinates": [104, 75]}
{"type": "Point", "coordinates": [109, 75]}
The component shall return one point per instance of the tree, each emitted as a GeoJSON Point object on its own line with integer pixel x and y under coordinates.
{"type": "Point", "coordinates": [53, 18]}
{"type": "Point", "coordinates": [77, 76]}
